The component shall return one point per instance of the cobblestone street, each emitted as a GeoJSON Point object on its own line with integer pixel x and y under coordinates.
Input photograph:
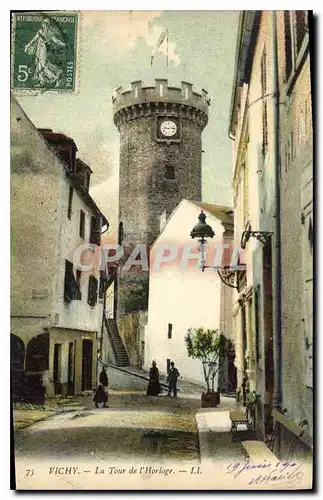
{"type": "Point", "coordinates": [133, 426]}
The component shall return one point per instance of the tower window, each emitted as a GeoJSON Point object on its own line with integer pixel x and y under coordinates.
{"type": "Point", "coordinates": [169, 172]}
{"type": "Point", "coordinates": [170, 330]}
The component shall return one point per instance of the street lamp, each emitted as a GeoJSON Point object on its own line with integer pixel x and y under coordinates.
{"type": "Point", "coordinates": [201, 231]}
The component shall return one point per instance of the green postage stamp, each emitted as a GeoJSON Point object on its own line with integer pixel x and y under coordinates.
{"type": "Point", "coordinates": [44, 49]}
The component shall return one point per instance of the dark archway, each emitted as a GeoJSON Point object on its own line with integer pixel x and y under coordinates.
{"type": "Point", "coordinates": [37, 355]}
{"type": "Point", "coordinates": [17, 361]}
{"type": "Point", "coordinates": [17, 353]}
{"type": "Point", "coordinates": [37, 361]}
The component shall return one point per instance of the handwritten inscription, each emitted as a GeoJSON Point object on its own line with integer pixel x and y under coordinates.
{"type": "Point", "coordinates": [267, 472]}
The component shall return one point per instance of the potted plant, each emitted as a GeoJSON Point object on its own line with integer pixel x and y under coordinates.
{"type": "Point", "coordinates": [210, 347]}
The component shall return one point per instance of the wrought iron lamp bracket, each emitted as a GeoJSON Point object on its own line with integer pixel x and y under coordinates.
{"type": "Point", "coordinates": [227, 275]}
{"type": "Point", "coordinates": [262, 236]}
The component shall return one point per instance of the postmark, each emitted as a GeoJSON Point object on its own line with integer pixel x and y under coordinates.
{"type": "Point", "coordinates": [44, 51]}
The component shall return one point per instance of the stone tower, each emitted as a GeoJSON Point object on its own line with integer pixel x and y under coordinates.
{"type": "Point", "coordinates": [160, 153]}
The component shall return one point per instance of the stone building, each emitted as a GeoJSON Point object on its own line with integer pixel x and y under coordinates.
{"type": "Point", "coordinates": [160, 162]}
{"type": "Point", "coordinates": [56, 308]}
{"type": "Point", "coordinates": [181, 296]}
{"type": "Point", "coordinates": [270, 124]}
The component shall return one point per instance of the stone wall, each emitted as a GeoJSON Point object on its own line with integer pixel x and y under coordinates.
{"type": "Point", "coordinates": [145, 192]}
{"type": "Point", "coordinates": [132, 332]}
{"type": "Point", "coordinates": [297, 251]}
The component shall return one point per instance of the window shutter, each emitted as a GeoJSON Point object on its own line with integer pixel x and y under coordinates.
{"type": "Point", "coordinates": [71, 287]}
{"type": "Point", "coordinates": [301, 28]}
{"type": "Point", "coordinates": [288, 45]}
{"type": "Point", "coordinates": [93, 291]}
{"type": "Point", "coordinates": [96, 227]}
{"type": "Point", "coordinates": [264, 102]}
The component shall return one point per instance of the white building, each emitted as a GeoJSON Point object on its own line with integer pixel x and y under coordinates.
{"type": "Point", "coordinates": [180, 295]}
{"type": "Point", "coordinates": [56, 309]}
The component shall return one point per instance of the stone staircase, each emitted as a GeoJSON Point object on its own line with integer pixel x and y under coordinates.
{"type": "Point", "coordinates": [116, 342]}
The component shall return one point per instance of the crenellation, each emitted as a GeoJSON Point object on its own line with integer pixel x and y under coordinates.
{"type": "Point", "coordinates": [160, 93]}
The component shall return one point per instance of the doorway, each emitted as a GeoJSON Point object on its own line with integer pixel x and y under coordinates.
{"type": "Point", "coordinates": [87, 351]}
{"type": "Point", "coordinates": [232, 372]}
{"type": "Point", "coordinates": [57, 369]}
{"type": "Point", "coordinates": [70, 371]}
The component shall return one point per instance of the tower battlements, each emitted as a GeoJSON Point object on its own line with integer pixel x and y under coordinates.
{"type": "Point", "coordinates": [160, 99]}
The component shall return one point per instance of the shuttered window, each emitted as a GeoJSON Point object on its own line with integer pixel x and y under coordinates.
{"type": "Point", "coordinates": [82, 224]}
{"type": "Point", "coordinates": [93, 291]}
{"type": "Point", "coordinates": [288, 45]}
{"type": "Point", "coordinates": [96, 227]}
{"type": "Point", "coordinates": [71, 286]}
{"type": "Point", "coordinates": [70, 202]}
{"type": "Point", "coordinates": [257, 322]}
{"type": "Point", "coordinates": [245, 193]}
{"type": "Point", "coordinates": [301, 28]}
{"type": "Point", "coordinates": [296, 40]}
{"type": "Point", "coordinates": [264, 102]}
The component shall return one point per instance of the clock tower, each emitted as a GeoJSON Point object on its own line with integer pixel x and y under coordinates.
{"type": "Point", "coordinates": [160, 154]}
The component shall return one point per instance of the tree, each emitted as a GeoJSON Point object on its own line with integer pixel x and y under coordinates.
{"type": "Point", "coordinates": [209, 346]}
{"type": "Point", "coordinates": [134, 294]}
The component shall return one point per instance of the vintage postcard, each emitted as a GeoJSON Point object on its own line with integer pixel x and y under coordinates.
{"type": "Point", "coordinates": [162, 234]}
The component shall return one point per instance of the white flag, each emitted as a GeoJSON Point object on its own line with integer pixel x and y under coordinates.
{"type": "Point", "coordinates": [162, 37]}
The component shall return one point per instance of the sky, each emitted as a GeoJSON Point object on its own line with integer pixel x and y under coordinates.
{"type": "Point", "coordinates": [114, 49]}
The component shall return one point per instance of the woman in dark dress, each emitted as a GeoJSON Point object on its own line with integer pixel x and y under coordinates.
{"type": "Point", "coordinates": [154, 386]}
{"type": "Point", "coordinates": [100, 397]}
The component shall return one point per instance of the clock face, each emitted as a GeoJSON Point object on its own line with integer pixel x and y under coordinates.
{"type": "Point", "coordinates": [168, 128]}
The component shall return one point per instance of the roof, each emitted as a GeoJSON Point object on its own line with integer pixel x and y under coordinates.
{"type": "Point", "coordinates": [51, 136]}
{"type": "Point", "coordinates": [223, 213]}
{"type": "Point", "coordinates": [246, 40]}
{"type": "Point", "coordinates": [83, 166]}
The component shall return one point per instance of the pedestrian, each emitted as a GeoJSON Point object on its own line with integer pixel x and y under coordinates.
{"type": "Point", "coordinates": [100, 396]}
{"type": "Point", "coordinates": [172, 377]}
{"type": "Point", "coordinates": [154, 387]}
{"type": "Point", "coordinates": [103, 379]}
